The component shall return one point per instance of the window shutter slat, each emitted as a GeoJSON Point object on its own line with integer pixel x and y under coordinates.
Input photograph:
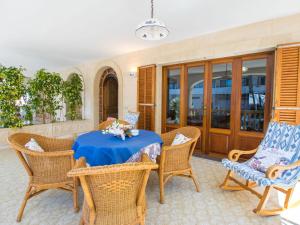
{"type": "Point", "coordinates": [146, 97]}
{"type": "Point", "coordinates": [287, 100]}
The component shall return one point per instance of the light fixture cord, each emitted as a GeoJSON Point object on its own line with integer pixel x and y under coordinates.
{"type": "Point", "coordinates": [152, 9]}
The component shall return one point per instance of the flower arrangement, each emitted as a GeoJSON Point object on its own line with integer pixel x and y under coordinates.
{"type": "Point", "coordinates": [118, 130]}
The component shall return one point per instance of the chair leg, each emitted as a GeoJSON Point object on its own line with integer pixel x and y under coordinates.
{"type": "Point", "coordinates": [225, 182]}
{"type": "Point", "coordinates": [81, 222]}
{"type": "Point", "coordinates": [288, 197]}
{"type": "Point", "coordinates": [161, 187]}
{"type": "Point", "coordinates": [75, 195]}
{"type": "Point", "coordinates": [143, 221]}
{"type": "Point", "coordinates": [263, 201]}
{"type": "Point", "coordinates": [195, 181]}
{"type": "Point", "coordinates": [237, 187]}
{"type": "Point", "coordinates": [26, 197]}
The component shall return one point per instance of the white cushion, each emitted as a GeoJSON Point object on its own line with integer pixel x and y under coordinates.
{"type": "Point", "coordinates": [34, 146]}
{"type": "Point", "coordinates": [180, 139]}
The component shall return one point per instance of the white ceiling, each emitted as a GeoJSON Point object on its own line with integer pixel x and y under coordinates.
{"type": "Point", "coordinates": [55, 34]}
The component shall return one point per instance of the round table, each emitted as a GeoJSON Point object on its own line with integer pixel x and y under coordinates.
{"type": "Point", "coordinates": [106, 149]}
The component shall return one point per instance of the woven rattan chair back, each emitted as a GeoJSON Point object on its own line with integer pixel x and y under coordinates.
{"type": "Point", "coordinates": [48, 169]}
{"type": "Point", "coordinates": [179, 157]}
{"type": "Point", "coordinates": [114, 194]}
{"type": "Point", "coordinates": [175, 160]}
{"type": "Point", "coordinates": [105, 124]}
{"type": "Point", "coordinates": [38, 164]}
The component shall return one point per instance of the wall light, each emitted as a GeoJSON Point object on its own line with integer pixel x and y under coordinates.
{"type": "Point", "coordinates": [133, 72]}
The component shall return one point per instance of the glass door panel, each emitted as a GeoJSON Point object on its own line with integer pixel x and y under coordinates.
{"type": "Point", "coordinates": [173, 97]}
{"type": "Point", "coordinates": [195, 79]}
{"type": "Point", "coordinates": [221, 95]}
{"type": "Point", "coordinates": [253, 95]}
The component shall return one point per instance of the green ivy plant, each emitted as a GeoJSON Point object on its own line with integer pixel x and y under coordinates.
{"type": "Point", "coordinates": [45, 93]}
{"type": "Point", "coordinates": [12, 89]}
{"type": "Point", "coordinates": [72, 89]}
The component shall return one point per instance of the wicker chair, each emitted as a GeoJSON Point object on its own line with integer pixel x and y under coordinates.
{"type": "Point", "coordinates": [113, 195]}
{"type": "Point", "coordinates": [132, 118]}
{"type": "Point", "coordinates": [105, 124]}
{"type": "Point", "coordinates": [175, 160]}
{"type": "Point", "coordinates": [46, 170]}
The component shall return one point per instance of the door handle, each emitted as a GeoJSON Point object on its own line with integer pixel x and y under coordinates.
{"type": "Point", "coordinates": [204, 110]}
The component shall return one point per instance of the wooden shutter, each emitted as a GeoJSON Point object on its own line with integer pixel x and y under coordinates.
{"type": "Point", "coordinates": [146, 97]}
{"type": "Point", "coordinates": [287, 86]}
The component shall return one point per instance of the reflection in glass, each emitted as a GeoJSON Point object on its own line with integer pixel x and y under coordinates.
{"type": "Point", "coordinates": [253, 95]}
{"type": "Point", "coordinates": [195, 95]}
{"type": "Point", "coordinates": [221, 95]}
{"type": "Point", "coordinates": [173, 108]}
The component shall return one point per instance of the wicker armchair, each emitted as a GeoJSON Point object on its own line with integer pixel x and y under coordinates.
{"type": "Point", "coordinates": [105, 124]}
{"type": "Point", "coordinates": [113, 195]}
{"type": "Point", "coordinates": [46, 170]}
{"type": "Point", "coordinates": [175, 160]}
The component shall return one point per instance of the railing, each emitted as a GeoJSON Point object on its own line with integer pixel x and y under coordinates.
{"type": "Point", "coordinates": [252, 120]}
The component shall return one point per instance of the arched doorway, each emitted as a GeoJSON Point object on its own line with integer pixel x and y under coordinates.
{"type": "Point", "coordinates": [108, 95]}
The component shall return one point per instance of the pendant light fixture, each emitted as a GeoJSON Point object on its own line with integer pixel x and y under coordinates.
{"type": "Point", "coordinates": [152, 29]}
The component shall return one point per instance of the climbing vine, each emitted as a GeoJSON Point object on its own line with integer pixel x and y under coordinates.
{"type": "Point", "coordinates": [72, 90]}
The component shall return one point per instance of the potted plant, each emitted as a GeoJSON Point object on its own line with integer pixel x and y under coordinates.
{"type": "Point", "coordinates": [174, 109]}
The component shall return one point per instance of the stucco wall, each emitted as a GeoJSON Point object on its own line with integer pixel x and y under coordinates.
{"type": "Point", "coordinates": [60, 129]}
{"type": "Point", "coordinates": [247, 39]}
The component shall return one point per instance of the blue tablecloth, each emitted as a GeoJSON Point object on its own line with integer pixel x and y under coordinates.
{"type": "Point", "coordinates": [106, 149]}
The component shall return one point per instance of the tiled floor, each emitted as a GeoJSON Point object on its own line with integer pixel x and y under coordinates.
{"type": "Point", "coordinates": [183, 205]}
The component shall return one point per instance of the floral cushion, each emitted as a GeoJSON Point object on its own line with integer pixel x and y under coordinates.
{"type": "Point", "coordinates": [34, 146]}
{"type": "Point", "coordinates": [264, 158]}
{"type": "Point", "coordinates": [132, 117]}
{"type": "Point", "coordinates": [180, 139]}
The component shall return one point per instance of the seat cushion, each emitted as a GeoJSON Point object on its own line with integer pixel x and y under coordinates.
{"type": "Point", "coordinates": [180, 139]}
{"type": "Point", "coordinates": [34, 146]}
{"type": "Point", "coordinates": [267, 157]}
{"type": "Point", "coordinates": [245, 171]}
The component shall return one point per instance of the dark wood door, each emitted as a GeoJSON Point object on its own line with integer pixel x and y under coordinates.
{"type": "Point", "coordinates": [146, 97]}
{"type": "Point", "coordinates": [110, 98]}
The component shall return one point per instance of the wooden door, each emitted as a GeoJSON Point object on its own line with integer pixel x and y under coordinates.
{"type": "Point", "coordinates": [228, 99]}
{"type": "Point", "coordinates": [173, 98]}
{"type": "Point", "coordinates": [146, 97]}
{"type": "Point", "coordinates": [221, 106]}
{"type": "Point", "coordinates": [287, 86]}
{"type": "Point", "coordinates": [242, 109]}
{"type": "Point", "coordinates": [110, 98]}
{"type": "Point", "coordinates": [195, 99]}
{"type": "Point", "coordinates": [253, 99]}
